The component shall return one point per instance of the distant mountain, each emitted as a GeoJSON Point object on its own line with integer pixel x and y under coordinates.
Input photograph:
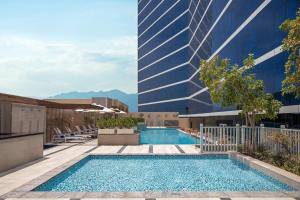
{"type": "Point", "coordinates": [129, 99]}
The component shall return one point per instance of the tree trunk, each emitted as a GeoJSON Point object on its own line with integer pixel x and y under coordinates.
{"type": "Point", "coordinates": [253, 131]}
{"type": "Point", "coordinates": [246, 118]}
{"type": "Point", "coordinates": [252, 119]}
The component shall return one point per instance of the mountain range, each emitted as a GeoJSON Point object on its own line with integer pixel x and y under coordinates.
{"type": "Point", "coordinates": [130, 99]}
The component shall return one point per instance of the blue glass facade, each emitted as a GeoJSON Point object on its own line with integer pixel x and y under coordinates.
{"type": "Point", "coordinates": [173, 35]}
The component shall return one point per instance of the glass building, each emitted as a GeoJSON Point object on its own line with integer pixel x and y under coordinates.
{"type": "Point", "coordinates": [174, 35]}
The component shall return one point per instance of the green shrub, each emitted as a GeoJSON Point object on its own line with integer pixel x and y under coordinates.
{"type": "Point", "coordinates": [282, 160]}
{"type": "Point", "coordinates": [126, 122]}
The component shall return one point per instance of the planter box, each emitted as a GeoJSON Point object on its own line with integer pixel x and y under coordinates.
{"type": "Point", "coordinates": [106, 131]}
{"type": "Point", "coordinates": [125, 131]}
{"type": "Point", "coordinates": [118, 139]}
{"type": "Point", "coordinates": [123, 136]}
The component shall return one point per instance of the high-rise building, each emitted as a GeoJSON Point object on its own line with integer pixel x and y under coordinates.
{"type": "Point", "coordinates": [174, 35]}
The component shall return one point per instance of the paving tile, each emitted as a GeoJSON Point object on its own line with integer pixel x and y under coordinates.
{"type": "Point", "coordinates": [266, 198]}
{"type": "Point", "coordinates": [113, 198]}
{"type": "Point", "coordinates": [188, 198]}
{"type": "Point", "coordinates": [106, 149]}
{"type": "Point", "coordinates": [55, 149]}
{"type": "Point", "coordinates": [12, 195]}
{"type": "Point", "coordinates": [37, 199]}
{"type": "Point", "coordinates": [32, 195]}
{"type": "Point", "coordinates": [53, 195]}
{"type": "Point", "coordinates": [74, 195]}
{"type": "Point", "coordinates": [190, 149]}
{"type": "Point", "coordinates": [293, 194]}
{"type": "Point", "coordinates": [165, 149]}
{"type": "Point", "coordinates": [138, 149]}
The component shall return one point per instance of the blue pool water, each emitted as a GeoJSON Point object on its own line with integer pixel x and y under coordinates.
{"type": "Point", "coordinates": [161, 173]}
{"type": "Point", "coordinates": [165, 136]}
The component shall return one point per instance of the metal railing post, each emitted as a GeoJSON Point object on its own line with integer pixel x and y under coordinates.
{"type": "Point", "coordinates": [243, 135]}
{"type": "Point", "coordinates": [237, 135]}
{"type": "Point", "coordinates": [201, 138]}
{"type": "Point", "coordinates": [278, 146]}
{"type": "Point", "coordinates": [262, 134]}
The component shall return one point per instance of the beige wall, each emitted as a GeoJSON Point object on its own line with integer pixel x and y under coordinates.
{"type": "Point", "coordinates": [19, 118]}
{"type": "Point", "coordinates": [28, 118]}
{"type": "Point", "coordinates": [195, 122]}
{"type": "Point", "coordinates": [155, 118]}
{"type": "Point", "coordinates": [20, 150]}
{"type": "Point", "coordinates": [5, 117]}
{"type": "Point", "coordinates": [118, 139]}
{"type": "Point", "coordinates": [184, 123]}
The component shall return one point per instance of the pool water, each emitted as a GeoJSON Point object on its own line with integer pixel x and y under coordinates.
{"type": "Point", "coordinates": [165, 136]}
{"type": "Point", "coordinates": [137, 173]}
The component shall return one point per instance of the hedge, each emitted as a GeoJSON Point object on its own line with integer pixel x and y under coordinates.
{"type": "Point", "coordinates": [127, 122]}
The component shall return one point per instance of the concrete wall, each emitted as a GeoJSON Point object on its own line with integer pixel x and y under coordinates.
{"type": "Point", "coordinates": [5, 117]}
{"type": "Point", "coordinates": [28, 118]}
{"type": "Point", "coordinates": [194, 122]}
{"type": "Point", "coordinates": [20, 150]}
{"type": "Point", "coordinates": [118, 139]}
{"type": "Point", "coordinates": [17, 118]}
{"type": "Point", "coordinates": [155, 118]}
{"type": "Point", "coordinates": [22, 129]}
{"type": "Point", "coordinates": [184, 122]}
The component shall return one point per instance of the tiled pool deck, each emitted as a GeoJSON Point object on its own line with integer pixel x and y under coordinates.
{"type": "Point", "coordinates": [17, 183]}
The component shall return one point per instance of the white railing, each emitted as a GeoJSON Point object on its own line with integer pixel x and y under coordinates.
{"type": "Point", "coordinates": [216, 139]}
{"type": "Point", "coordinates": [229, 138]}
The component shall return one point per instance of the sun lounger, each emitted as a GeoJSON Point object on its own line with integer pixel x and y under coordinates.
{"type": "Point", "coordinates": [89, 131]}
{"type": "Point", "coordinates": [80, 131]}
{"type": "Point", "coordinates": [60, 136]}
{"type": "Point", "coordinates": [76, 133]}
{"type": "Point", "coordinates": [92, 128]}
{"type": "Point", "coordinates": [85, 131]}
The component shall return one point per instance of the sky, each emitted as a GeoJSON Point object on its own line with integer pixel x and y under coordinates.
{"type": "Point", "coordinates": [52, 46]}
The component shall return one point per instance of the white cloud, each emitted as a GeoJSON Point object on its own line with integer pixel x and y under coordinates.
{"type": "Point", "coordinates": [42, 68]}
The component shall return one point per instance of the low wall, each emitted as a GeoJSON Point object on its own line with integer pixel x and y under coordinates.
{"type": "Point", "coordinates": [21, 149]}
{"type": "Point", "coordinates": [118, 139]}
{"type": "Point", "coordinates": [157, 118]}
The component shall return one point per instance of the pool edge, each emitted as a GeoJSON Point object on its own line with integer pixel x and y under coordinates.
{"type": "Point", "coordinates": [25, 191]}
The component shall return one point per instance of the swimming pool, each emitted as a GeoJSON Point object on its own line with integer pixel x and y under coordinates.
{"type": "Point", "coordinates": [165, 136]}
{"type": "Point", "coordinates": [136, 173]}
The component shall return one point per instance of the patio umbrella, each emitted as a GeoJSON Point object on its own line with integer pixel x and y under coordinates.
{"type": "Point", "coordinates": [107, 110]}
{"type": "Point", "coordinates": [79, 110]}
{"type": "Point", "coordinates": [103, 108]}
